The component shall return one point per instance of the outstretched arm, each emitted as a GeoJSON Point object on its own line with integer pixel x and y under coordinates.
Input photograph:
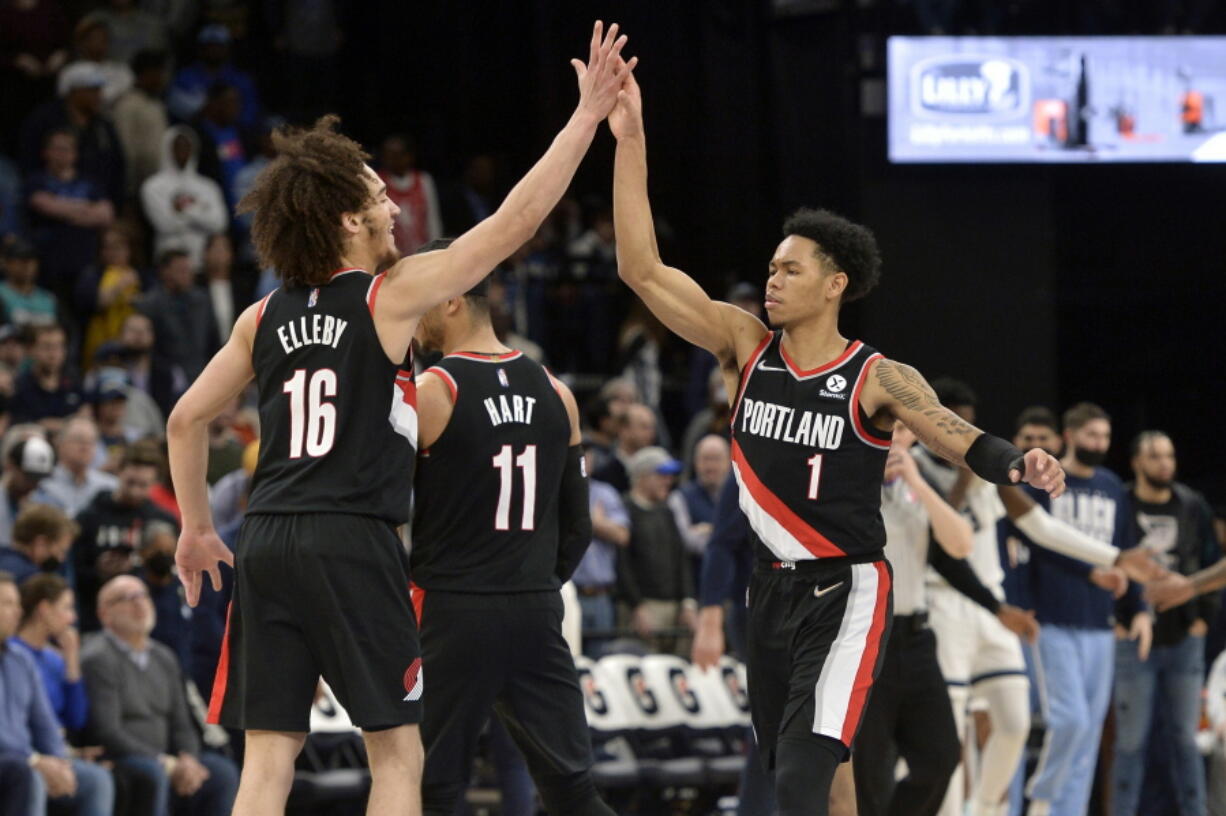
{"type": "Point", "coordinates": [676, 299]}
{"type": "Point", "coordinates": [898, 391]}
{"type": "Point", "coordinates": [418, 282]}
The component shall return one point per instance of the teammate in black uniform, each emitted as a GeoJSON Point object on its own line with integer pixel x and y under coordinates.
{"type": "Point", "coordinates": [321, 584]}
{"type": "Point", "coordinates": [500, 521]}
{"type": "Point", "coordinates": [811, 424]}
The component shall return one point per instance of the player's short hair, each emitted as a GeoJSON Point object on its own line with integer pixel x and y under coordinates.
{"type": "Point", "coordinates": [1082, 414]}
{"type": "Point", "coordinates": [42, 520]}
{"type": "Point", "coordinates": [478, 295]}
{"type": "Point", "coordinates": [298, 201]}
{"type": "Point", "coordinates": [44, 586]}
{"type": "Point", "coordinates": [1037, 415]}
{"type": "Point", "coordinates": [953, 393]}
{"type": "Point", "coordinates": [849, 248]}
{"type": "Point", "coordinates": [1142, 439]}
{"type": "Point", "coordinates": [597, 410]}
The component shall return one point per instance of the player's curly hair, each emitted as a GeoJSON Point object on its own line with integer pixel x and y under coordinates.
{"type": "Point", "coordinates": [299, 199]}
{"type": "Point", "coordinates": [849, 248]}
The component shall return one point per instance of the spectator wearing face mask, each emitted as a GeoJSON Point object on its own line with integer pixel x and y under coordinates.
{"type": "Point", "coordinates": [174, 616]}
{"type": "Point", "coordinates": [113, 525]}
{"type": "Point", "coordinates": [42, 536]}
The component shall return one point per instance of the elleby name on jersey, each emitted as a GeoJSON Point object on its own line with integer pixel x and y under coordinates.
{"type": "Point", "coordinates": [317, 329]}
{"type": "Point", "coordinates": [781, 423]}
{"type": "Point", "coordinates": [509, 408]}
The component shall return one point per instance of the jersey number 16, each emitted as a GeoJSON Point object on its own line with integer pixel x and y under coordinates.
{"type": "Point", "coordinates": [312, 421]}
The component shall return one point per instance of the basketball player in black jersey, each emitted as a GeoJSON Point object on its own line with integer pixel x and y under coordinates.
{"type": "Point", "coordinates": [321, 584]}
{"type": "Point", "coordinates": [500, 521]}
{"type": "Point", "coordinates": [812, 415]}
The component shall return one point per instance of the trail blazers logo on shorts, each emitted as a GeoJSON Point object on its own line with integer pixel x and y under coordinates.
{"type": "Point", "coordinates": [414, 681]}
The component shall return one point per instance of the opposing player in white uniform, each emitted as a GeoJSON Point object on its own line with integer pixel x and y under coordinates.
{"type": "Point", "coordinates": [978, 655]}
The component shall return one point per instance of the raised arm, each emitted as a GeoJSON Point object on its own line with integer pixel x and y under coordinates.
{"type": "Point", "coordinates": [731, 334]}
{"type": "Point", "coordinates": [898, 391]}
{"type": "Point", "coordinates": [418, 282]}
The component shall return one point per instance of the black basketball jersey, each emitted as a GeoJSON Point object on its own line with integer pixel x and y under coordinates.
{"type": "Point", "coordinates": [808, 459]}
{"type": "Point", "coordinates": [485, 514]}
{"type": "Point", "coordinates": [338, 419]}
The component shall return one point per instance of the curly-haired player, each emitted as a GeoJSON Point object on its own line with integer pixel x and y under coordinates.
{"type": "Point", "coordinates": [321, 585]}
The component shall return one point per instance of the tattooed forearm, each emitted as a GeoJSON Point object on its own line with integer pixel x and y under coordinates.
{"type": "Point", "coordinates": [947, 434]}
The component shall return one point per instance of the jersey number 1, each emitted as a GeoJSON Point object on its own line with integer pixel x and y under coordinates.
{"type": "Point", "coordinates": [505, 465]}
{"type": "Point", "coordinates": [815, 475]}
{"type": "Point", "coordinates": [312, 422]}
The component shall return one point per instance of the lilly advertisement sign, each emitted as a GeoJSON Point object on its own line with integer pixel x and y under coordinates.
{"type": "Point", "coordinates": [1057, 99]}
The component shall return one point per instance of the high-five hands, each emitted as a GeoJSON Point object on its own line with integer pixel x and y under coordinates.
{"type": "Point", "coordinates": [605, 73]}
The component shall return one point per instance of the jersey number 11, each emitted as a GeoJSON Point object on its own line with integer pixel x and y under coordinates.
{"type": "Point", "coordinates": [506, 465]}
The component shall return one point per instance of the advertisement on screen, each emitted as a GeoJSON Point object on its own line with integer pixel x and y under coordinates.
{"type": "Point", "coordinates": [1057, 99]}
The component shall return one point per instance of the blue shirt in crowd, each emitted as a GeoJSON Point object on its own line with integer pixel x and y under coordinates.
{"type": "Point", "coordinates": [17, 564]}
{"type": "Point", "coordinates": [699, 502]}
{"type": "Point", "coordinates": [1060, 586]}
{"type": "Point", "coordinates": [68, 699]}
{"type": "Point", "coordinates": [27, 723]}
{"type": "Point", "coordinates": [599, 565]}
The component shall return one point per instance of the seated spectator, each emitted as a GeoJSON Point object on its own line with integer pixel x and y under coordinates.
{"type": "Point", "coordinates": [30, 735]}
{"type": "Point", "coordinates": [131, 28]}
{"type": "Point", "coordinates": [28, 460]}
{"type": "Point", "coordinates": [92, 43]}
{"type": "Point", "coordinates": [603, 417]}
{"type": "Point", "coordinates": [140, 118]}
{"type": "Point", "coordinates": [67, 208]}
{"type": "Point", "coordinates": [185, 207]}
{"type": "Point", "coordinates": [46, 393]}
{"type": "Point", "coordinates": [653, 574]}
{"type": "Point", "coordinates": [228, 498]}
{"type": "Point", "coordinates": [173, 616]}
{"type": "Point", "coordinates": [138, 705]}
{"type": "Point", "coordinates": [192, 82]}
{"type": "Point", "coordinates": [142, 417]}
{"type": "Point", "coordinates": [110, 401]}
{"type": "Point", "coordinates": [182, 319]}
{"type": "Point", "coordinates": [25, 303]}
{"type": "Point", "coordinates": [13, 351]}
{"type": "Point", "coordinates": [106, 292]}
{"type": "Point", "coordinates": [636, 431]}
{"type": "Point", "coordinates": [110, 527]}
{"type": "Point", "coordinates": [154, 376]}
{"type": "Point", "coordinates": [219, 275]}
{"type": "Point", "coordinates": [49, 635]}
{"type": "Point", "coordinates": [596, 576]}
{"type": "Point", "coordinates": [75, 481]}
{"type": "Point", "coordinates": [42, 537]}
{"type": "Point", "coordinates": [693, 504]}
{"type": "Point", "coordinates": [223, 148]}
{"type": "Point", "coordinates": [713, 419]}
{"type": "Point", "coordinates": [79, 110]}
{"type": "Point", "coordinates": [413, 191]}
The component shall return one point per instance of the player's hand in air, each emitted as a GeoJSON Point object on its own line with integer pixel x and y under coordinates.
{"type": "Point", "coordinates": [708, 645]}
{"type": "Point", "coordinates": [197, 554]}
{"type": "Point", "coordinates": [1139, 564]}
{"type": "Point", "coordinates": [1111, 579]}
{"type": "Point", "coordinates": [1169, 592]}
{"type": "Point", "coordinates": [1042, 471]}
{"type": "Point", "coordinates": [602, 77]}
{"type": "Point", "coordinates": [627, 116]}
{"type": "Point", "coordinates": [1020, 622]}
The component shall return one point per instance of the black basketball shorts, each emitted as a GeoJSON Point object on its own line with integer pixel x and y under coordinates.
{"type": "Point", "coordinates": [318, 594]}
{"type": "Point", "coordinates": [817, 634]}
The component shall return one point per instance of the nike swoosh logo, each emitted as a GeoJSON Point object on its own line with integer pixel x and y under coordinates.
{"type": "Point", "coordinates": [819, 592]}
{"type": "Point", "coordinates": [762, 366]}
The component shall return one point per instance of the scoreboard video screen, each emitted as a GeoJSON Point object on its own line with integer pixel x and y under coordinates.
{"type": "Point", "coordinates": [1057, 99]}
